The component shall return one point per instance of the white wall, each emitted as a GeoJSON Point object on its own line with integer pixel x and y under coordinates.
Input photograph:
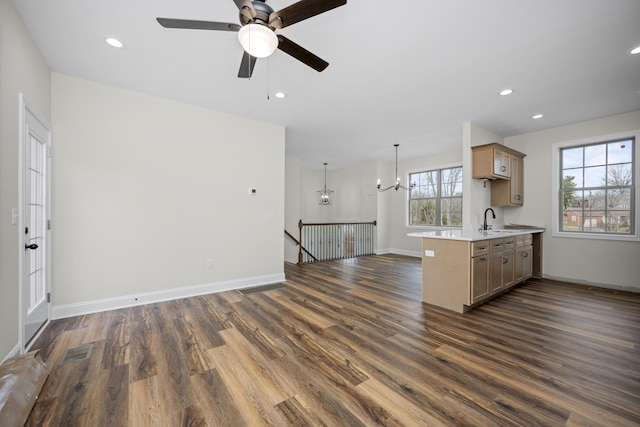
{"type": "Point", "coordinates": [477, 195]}
{"type": "Point", "coordinates": [611, 263]}
{"type": "Point", "coordinates": [22, 69]}
{"type": "Point", "coordinates": [292, 207]}
{"type": "Point", "coordinates": [397, 201]}
{"type": "Point", "coordinates": [354, 194]}
{"type": "Point", "coordinates": [145, 190]}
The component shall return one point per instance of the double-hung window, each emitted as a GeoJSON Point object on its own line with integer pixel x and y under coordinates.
{"type": "Point", "coordinates": [597, 188]}
{"type": "Point", "coordinates": [436, 198]}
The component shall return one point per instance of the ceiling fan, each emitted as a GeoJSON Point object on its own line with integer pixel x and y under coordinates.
{"type": "Point", "coordinates": [257, 30]}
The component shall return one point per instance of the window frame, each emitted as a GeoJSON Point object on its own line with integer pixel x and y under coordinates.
{"type": "Point", "coordinates": [438, 198]}
{"type": "Point", "coordinates": [557, 193]}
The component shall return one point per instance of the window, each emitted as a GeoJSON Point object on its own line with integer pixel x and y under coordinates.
{"type": "Point", "coordinates": [597, 188]}
{"type": "Point", "coordinates": [436, 198]}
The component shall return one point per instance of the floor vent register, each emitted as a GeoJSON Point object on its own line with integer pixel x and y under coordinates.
{"type": "Point", "coordinates": [262, 288]}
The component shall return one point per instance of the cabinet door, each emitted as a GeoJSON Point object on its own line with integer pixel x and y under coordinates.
{"type": "Point", "coordinates": [501, 163]}
{"type": "Point", "coordinates": [527, 262]}
{"type": "Point", "coordinates": [495, 276]}
{"type": "Point", "coordinates": [516, 186]}
{"type": "Point", "coordinates": [479, 278]}
{"type": "Point", "coordinates": [508, 268]}
{"type": "Point", "coordinates": [524, 263]}
{"type": "Point", "coordinates": [502, 270]}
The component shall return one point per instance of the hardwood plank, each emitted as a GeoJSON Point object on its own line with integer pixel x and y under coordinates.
{"type": "Point", "coordinates": [210, 393]}
{"type": "Point", "coordinates": [349, 342]}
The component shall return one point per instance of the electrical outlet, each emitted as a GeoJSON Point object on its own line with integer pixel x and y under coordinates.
{"type": "Point", "coordinates": [209, 262]}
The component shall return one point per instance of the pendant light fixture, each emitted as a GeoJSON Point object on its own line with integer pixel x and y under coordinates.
{"type": "Point", "coordinates": [397, 184]}
{"type": "Point", "coordinates": [325, 196]}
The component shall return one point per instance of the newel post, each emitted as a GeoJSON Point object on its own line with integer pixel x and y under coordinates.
{"type": "Point", "coordinates": [300, 241]}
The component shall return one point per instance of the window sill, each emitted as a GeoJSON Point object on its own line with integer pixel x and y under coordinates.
{"type": "Point", "coordinates": [431, 227]}
{"type": "Point", "coordinates": [597, 236]}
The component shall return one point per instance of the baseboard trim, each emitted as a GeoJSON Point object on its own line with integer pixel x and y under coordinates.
{"type": "Point", "coordinates": [612, 287]}
{"type": "Point", "coordinates": [95, 306]}
{"type": "Point", "coordinates": [416, 254]}
{"type": "Point", "coordinates": [15, 351]}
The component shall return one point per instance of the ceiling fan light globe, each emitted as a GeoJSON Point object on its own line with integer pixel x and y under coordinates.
{"type": "Point", "coordinates": [258, 40]}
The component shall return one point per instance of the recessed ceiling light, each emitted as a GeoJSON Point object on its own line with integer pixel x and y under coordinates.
{"type": "Point", "coordinates": [537, 116]}
{"type": "Point", "coordinates": [114, 42]}
{"type": "Point", "coordinates": [280, 95]}
{"type": "Point", "coordinates": [635, 50]}
{"type": "Point", "coordinates": [506, 92]}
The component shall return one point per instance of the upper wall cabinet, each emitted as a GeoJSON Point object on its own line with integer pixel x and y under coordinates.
{"type": "Point", "coordinates": [509, 192]}
{"type": "Point", "coordinates": [506, 167]}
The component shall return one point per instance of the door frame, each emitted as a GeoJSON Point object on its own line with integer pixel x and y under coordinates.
{"type": "Point", "coordinates": [25, 110]}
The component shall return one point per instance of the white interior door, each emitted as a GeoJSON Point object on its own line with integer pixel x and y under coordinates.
{"type": "Point", "coordinates": [35, 244]}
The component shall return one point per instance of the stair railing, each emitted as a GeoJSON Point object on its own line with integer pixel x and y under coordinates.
{"type": "Point", "coordinates": [336, 240]}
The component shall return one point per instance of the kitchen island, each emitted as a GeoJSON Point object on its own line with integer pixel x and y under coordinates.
{"type": "Point", "coordinates": [462, 268]}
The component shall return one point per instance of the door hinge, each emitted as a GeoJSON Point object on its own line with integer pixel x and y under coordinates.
{"type": "Point", "coordinates": [48, 151]}
{"type": "Point", "coordinates": [48, 296]}
{"type": "Point", "coordinates": [48, 224]}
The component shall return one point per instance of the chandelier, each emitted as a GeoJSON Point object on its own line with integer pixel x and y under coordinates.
{"type": "Point", "coordinates": [397, 184]}
{"type": "Point", "coordinates": [325, 196]}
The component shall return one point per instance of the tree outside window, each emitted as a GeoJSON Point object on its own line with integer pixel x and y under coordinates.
{"type": "Point", "coordinates": [436, 198]}
{"type": "Point", "coordinates": [597, 187]}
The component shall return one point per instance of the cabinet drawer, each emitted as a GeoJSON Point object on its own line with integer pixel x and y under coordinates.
{"type": "Point", "coordinates": [523, 240]}
{"type": "Point", "coordinates": [496, 245]}
{"type": "Point", "coordinates": [509, 242]}
{"type": "Point", "coordinates": [480, 248]}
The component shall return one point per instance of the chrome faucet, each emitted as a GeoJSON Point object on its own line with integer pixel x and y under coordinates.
{"type": "Point", "coordinates": [485, 227]}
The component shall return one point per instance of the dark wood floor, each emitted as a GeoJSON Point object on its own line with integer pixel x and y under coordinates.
{"type": "Point", "coordinates": [349, 343]}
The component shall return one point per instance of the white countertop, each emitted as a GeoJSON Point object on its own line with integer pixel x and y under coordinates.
{"type": "Point", "coordinates": [472, 235]}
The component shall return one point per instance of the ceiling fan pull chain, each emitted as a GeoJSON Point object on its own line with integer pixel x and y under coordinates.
{"type": "Point", "coordinates": [268, 78]}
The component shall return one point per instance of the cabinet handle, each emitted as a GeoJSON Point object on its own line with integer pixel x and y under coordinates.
{"type": "Point", "coordinates": [503, 168]}
{"type": "Point", "coordinates": [505, 260]}
{"type": "Point", "coordinates": [525, 254]}
{"type": "Point", "coordinates": [517, 197]}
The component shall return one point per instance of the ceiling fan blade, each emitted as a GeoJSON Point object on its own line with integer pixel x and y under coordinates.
{"type": "Point", "coordinates": [301, 54]}
{"type": "Point", "coordinates": [197, 25]}
{"type": "Point", "coordinates": [246, 66]}
{"type": "Point", "coordinates": [246, 8]}
{"type": "Point", "coordinates": [302, 10]}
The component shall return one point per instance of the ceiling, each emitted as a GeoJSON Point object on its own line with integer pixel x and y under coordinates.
{"type": "Point", "coordinates": [407, 72]}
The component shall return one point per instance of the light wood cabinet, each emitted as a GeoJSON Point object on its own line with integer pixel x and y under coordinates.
{"type": "Point", "coordinates": [510, 192]}
{"type": "Point", "coordinates": [524, 258]}
{"type": "Point", "coordinates": [480, 270]}
{"type": "Point", "coordinates": [491, 161]}
{"type": "Point", "coordinates": [505, 168]}
{"type": "Point", "coordinates": [479, 278]}
{"type": "Point", "coordinates": [501, 163]}
{"type": "Point", "coordinates": [492, 267]}
{"type": "Point", "coordinates": [502, 269]}
{"type": "Point", "coordinates": [459, 274]}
